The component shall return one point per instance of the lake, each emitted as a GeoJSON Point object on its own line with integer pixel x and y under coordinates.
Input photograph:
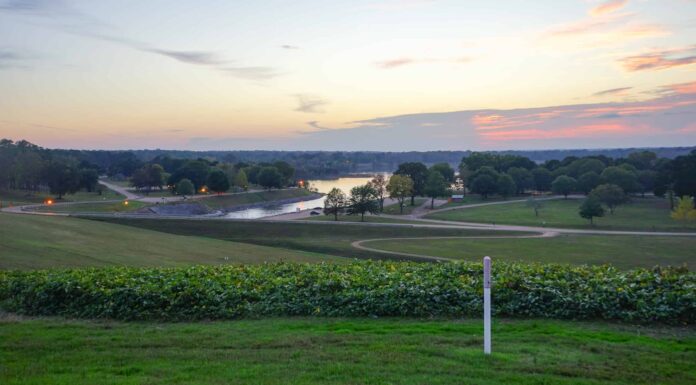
{"type": "Point", "coordinates": [323, 186]}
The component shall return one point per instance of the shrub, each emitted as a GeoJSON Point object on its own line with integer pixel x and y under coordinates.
{"type": "Point", "coordinates": [363, 288]}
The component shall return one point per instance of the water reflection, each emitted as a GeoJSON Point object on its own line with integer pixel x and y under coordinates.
{"type": "Point", "coordinates": [323, 186]}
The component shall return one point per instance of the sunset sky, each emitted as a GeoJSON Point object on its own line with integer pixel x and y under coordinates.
{"type": "Point", "coordinates": [348, 75]}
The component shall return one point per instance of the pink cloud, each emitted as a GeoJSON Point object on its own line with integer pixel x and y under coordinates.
{"type": "Point", "coordinates": [682, 88]}
{"type": "Point", "coordinates": [608, 7]}
{"type": "Point", "coordinates": [582, 131]}
{"type": "Point", "coordinates": [659, 60]}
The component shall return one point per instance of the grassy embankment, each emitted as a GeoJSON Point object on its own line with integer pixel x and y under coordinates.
{"type": "Point", "coordinates": [342, 351]}
{"type": "Point", "coordinates": [642, 214]}
{"type": "Point", "coordinates": [325, 238]}
{"type": "Point", "coordinates": [42, 242]}
{"type": "Point", "coordinates": [228, 201]}
{"type": "Point", "coordinates": [99, 207]}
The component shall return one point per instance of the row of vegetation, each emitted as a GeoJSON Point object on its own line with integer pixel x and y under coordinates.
{"type": "Point", "coordinates": [355, 289]}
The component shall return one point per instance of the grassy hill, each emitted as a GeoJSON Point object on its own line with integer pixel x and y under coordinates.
{"type": "Point", "coordinates": [228, 201]}
{"type": "Point", "coordinates": [643, 214]}
{"type": "Point", "coordinates": [307, 351]}
{"type": "Point", "coordinates": [38, 242]}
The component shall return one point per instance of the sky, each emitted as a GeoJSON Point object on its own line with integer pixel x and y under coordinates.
{"type": "Point", "coordinates": [382, 75]}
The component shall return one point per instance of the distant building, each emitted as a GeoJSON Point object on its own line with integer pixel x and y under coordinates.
{"type": "Point", "coordinates": [456, 198]}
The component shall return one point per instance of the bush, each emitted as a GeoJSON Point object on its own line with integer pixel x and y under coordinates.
{"type": "Point", "coordinates": [356, 289]}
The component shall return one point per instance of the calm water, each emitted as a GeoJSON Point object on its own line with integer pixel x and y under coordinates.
{"type": "Point", "coordinates": [323, 186]}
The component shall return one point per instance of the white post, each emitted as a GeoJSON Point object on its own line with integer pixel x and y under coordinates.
{"type": "Point", "coordinates": [487, 305]}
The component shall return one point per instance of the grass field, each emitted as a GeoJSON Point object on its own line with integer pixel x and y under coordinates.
{"type": "Point", "coordinates": [393, 209]}
{"type": "Point", "coordinates": [325, 238]}
{"type": "Point", "coordinates": [42, 242]}
{"type": "Point", "coordinates": [228, 201]}
{"type": "Point", "coordinates": [19, 197]}
{"type": "Point", "coordinates": [341, 351]}
{"type": "Point", "coordinates": [356, 218]}
{"type": "Point", "coordinates": [644, 214]}
{"type": "Point", "coordinates": [624, 252]}
{"type": "Point", "coordinates": [105, 207]}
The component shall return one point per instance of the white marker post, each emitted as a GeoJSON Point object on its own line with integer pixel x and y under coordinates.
{"type": "Point", "coordinates": [486, 305]}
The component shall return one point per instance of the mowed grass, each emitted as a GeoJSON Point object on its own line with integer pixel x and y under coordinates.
{"type": "Point", "coordinates": [318, 237]}
{"type": "Point", "coordinates": [394, 209]}
{"type": "Point", "coordinates": [306, 351]}
{"type": "Point", "coordinates": [42, 242]}
{"type": "Point", "coordinates": [228, 201]}
{"type": "Point", "coordinates": [624, 252]}
{"type": "Point", "coordinates": [644, 214]}
{"type": "Point", "coordinates": [99, 207]}
{"type": "Point", "coordinates": [356, 218]}
{"type": "Point", "coordinates": [20, 197]}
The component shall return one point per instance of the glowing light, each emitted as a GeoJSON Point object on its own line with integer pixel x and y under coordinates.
{"type": "Point", "coordinates": [49, 201]}
{"type": "Point", "coordinates": [125, 203]}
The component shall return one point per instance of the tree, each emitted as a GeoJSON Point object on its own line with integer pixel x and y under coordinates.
{"type": "Point", "coordinates": [609, 194]}
{"type": "Point", "coordinates": [685, 209]}
{"type": "Point", "coordinates": [588, 181]}
{"type": "Point", "coordinates": [240, 180]}
{"type": "Point", "coordinates": [542, 178]}
{"type": "Point", "coordinates": [484, 184]}
{"type": "Point", "coordinates": [444, 169]}
{"type": "Point", "coordinates": [62, 177]}
{"type": "Point", "coordinates": [379, 183]}
{"type": "Point", "coordinates": [563, 185]}
{"type": "Point", "coordinates": [620, 176]}
{"type": "Point", "coordinates": [400, 188]}
{"type": "Point", "coordinates": [362, 200]}
{"type": "Point", "coordinates": [522, 177]}
{"type": "Point", "coordinates": [334, 203]}
{"type": "Point", "coordinates": [435, 186]}
{"type": "Point", "coordinates": [535, 204]}
{"type": "Point", "coordinates": [185, 187]}
{"type": "Point", "coordinates": [270, 177]}
{"type": "Point", "coordinates": [591, 208]}
{"type": "Point", "coordinates": [88, 179]}
{"type": "Point", "coordinates": [417, 172]}
{"type": "Point", "coordinates": [217, 181]}
{"type": "Point", "coordinates": [286, 170]}
{"type": "Point", "coordinates": [683, 174]}
{"type": "Point", "coordinates": [196, 171]}
{"type": "Point", "coordinates": [506, 185]}
{"type": "Point", "coordinates": [148, 176]}
{"type": "Point", "coordinates": [646, 180]}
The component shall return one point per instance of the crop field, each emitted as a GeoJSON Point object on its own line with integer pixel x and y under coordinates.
{"type": "Point", "coordinates": [42, 242]}
{"type": "Point", "coordinates": [644, 214]}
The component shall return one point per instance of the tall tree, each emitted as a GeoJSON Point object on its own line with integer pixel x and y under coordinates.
{"type": "Point", "coordinates": [400, 187]}
{"type": "Point", "coordinates": [542, 178]}
{"type": "Point", "coordinates": [362, 200]}
{"type": "Point", "coordinates": [522, 177]}
{"type": "Point", "coordinates": [62, 177]}
{"type": "Point", "coordinates": [588, 181]}
{"type": "Point", "coordinates": [185, 187]}
{"type": "Point", "coordinates": [270, 177]}
{"type": "Point", "coordinates": [484, 184]}
{"type": "Point", "coordinates": [564, 185]}
{"type": "Point", "coordinates": [609, 194]}
{"type": "Point", "coordinates": [240, 180]}
{"type": "Point", "coordinates": [335, 203]}
{"type": "Point", "coordinates": [444, 169]}
{"type": "Point", "coordinates": [286, 170]}
{"type": "Point", "coordinates": [217, 181]}
{"type": "Point", "coordinates": [506, 185]}
{"type": "Point", "coordinates": [417, 172]}
{"type": "Point", "coordinates": [379, 183]}
{"type": "Point", "coordinates": [683, 174]}
{"type": "Point", "coordinates": [435, 186]}
{"type": "Point", "coordinates": [591, 208]}
{"type": "Point", "coordinates": [622, 177]}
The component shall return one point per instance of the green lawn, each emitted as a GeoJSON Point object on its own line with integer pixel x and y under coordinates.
{"type": "Point", "coordinates": [324, 238]}
{"type": "Point", "coordinates": [624, 252]}
{"type": "Point", "coordinates": [17, 197]}
{"type": "Point", "coordinates": [470, 199]}
{"type": "Point", "coordinates": [41, 242]}
{"type": "Point", "coordinates": [228, 201]}
{"type": "Point", "coordinates": [105, 207]}
{"type": "Point", "coordinates": [305, 351]}
{"type": "Point", "coordinates": [646, 214]}
{"type": "Point", "coordinates": [394, 209]}
{"type": "Point", "coordinates": [356, 218]}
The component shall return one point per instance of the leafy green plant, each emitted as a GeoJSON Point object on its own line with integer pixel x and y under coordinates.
{"type": "Point", "coordinates": [361, 288]}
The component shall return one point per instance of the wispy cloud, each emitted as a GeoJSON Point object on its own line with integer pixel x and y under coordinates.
{"type": "Point", "coordinates": [660, 59]}
{"type": "Point", "coordinates": [310, 104]}
{"type": "Point", "coordinates": [404, 61]}
{"type": "Point", "coordinates": [88, 27]}
{"type": "Point", "coordinates": [289, 46]}
{"type": "Point", "coordinates": [613, 91]}
{"type": "Point", "coordinates": [11, 59]}
{"type": "Point", "coordinates": [315, 124]}
{"type": "Point", "coordinates": [608, 7]}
